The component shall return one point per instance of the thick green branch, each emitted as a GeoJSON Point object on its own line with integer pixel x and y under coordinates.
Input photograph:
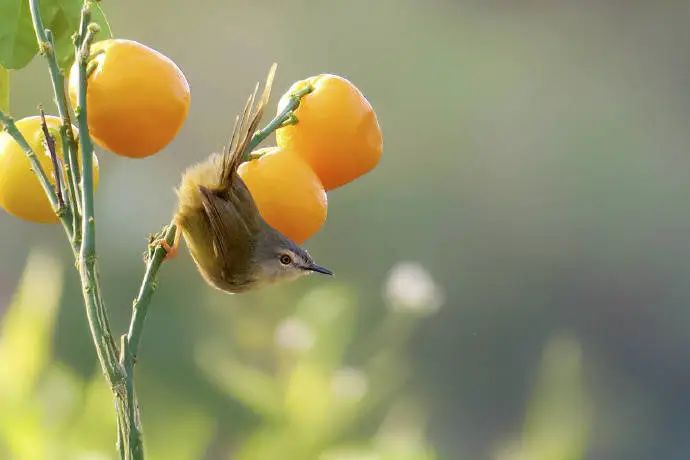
{"type": "Point", "coordinates": [95, 310]}
{"type": "Point", "coordinates": [129, 417]}
{"type": "Point", "coordinates": [130, 443]}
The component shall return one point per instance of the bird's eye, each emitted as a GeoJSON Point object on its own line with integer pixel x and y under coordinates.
{"type": "Point", "coordinates": [285, 259]}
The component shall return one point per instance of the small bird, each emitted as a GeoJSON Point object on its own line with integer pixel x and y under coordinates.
{"type": "Point", "coordinates": [233, 247]}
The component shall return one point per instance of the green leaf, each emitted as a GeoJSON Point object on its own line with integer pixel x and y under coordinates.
{"type": "Point", "coordinates": [64, 24]}
{"type": "Point", "coordinates": [18, 40]}
{"type": "Point", "coordinates": [4, 90]}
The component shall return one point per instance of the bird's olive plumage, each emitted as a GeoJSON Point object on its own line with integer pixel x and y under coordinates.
{"type": "Point", "coordinates": [233, 247]}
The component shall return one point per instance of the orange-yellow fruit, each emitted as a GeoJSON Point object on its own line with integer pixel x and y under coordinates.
{"type": "Point", "coordinates": [288, 194]}
{"type": "Point", "coordinates": [21, 193]}
{"type": "Point", "coordinates": [337, 133]}
{"type": "Point", "coordinates": [137, 98]}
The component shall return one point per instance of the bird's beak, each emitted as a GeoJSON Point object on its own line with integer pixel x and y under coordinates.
{"type": "Point", "coordinates": [318, 269]}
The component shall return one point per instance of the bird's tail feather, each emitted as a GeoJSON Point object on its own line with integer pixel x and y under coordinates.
{"type": "Point", "coordinates": [245, 127]}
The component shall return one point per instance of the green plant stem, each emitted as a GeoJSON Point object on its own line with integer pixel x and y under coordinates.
{"type": "Point", "coordinates": [130, 419]}
{"type": "Point", "coordinates": [95, 309]}
{"type": "Point", "coordinates": [63, 212]}
{"type": "Point", "coordinates": [146, 291]}
{"type": "Point", "coordinates": [57, 169]}
{"type": "Point", "coordinates": [46, 46]}
{"type": "Point", "coordinates": [72, 190]}
{"type": "Point", "coordinates": [286, 114]}
{"type": "Point", "coordinates": [130, 341]}
{"type": "Point", "coordinates": [130, 443]}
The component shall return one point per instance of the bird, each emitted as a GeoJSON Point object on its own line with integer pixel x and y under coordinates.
{"type": "Point", "coordinates": [233, 247]}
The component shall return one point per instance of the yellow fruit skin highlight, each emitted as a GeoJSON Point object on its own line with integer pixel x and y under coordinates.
{"type": "Point", "coordinates": [338, 133]}
{"type": "Point", "coordinates": [21, 193]}
{"type": "Point", "coordinates": [137, 98]}
{"type": "Point", "coordinates": [288, 194]}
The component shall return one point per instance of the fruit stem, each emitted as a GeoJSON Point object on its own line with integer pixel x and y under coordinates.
{"type": "Point", "coordinates": [46, 45]}
{"type": "Point", "coordinates": [285, 115]}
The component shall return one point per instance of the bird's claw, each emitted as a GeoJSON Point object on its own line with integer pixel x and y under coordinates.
{"type": "Point", "coordinates": [158, 241]}
{"type": "Point", "coordinates": [170, 251]}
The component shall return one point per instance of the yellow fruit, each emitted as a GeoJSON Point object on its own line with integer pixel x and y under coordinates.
{"type": "Point", "coordinates": [338, 134]}
{"type": "Point", "coordinates": [21, 193]}
{"type": "Point", "coordinates": [137, 98]}
{"type": "Point", "coordinates": [288, 194]}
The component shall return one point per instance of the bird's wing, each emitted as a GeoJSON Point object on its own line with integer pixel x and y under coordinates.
{"type": "Point", "coordinates": [232, 230]}
{"type": "Point", "coordinates": [244, 129]}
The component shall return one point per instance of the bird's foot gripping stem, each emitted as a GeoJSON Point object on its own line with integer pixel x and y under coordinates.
{"type": "Point", "coordinates": [170, 251]}
{"type": "Point", "coordinates": [160, 240]}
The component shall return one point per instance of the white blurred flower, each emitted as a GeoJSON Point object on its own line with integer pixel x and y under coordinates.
{"type": "Point", "coordinates": [349, 384]}
{"type": "Point", "coordinates": [410, 288]}
{"type": "Point", "coordinates": [293, 334]}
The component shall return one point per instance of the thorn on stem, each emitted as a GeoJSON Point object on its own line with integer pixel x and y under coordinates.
{"type": "Point", "coordinates": [48, 47]}
{"type": "Point", "coordinates": [298, 95]}
{"type": "Point", "coordinates": [43, 47]}
{"type": "Point", "coordinates": [95, 54]}
{"type": "Point", "coordinates": [290, 120]}
{"type": "Point", "coordinates": [255, 155]}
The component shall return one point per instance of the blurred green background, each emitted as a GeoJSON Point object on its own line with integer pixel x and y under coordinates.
{"type": "Point", "coordinates": [512, 280]}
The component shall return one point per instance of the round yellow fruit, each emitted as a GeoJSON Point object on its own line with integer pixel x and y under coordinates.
{"type": "Point", "coordinates": [337, 132]}
{"type": "Point", "coordinates": [137, 98]}
{"type": "Point", "coordinates": [21, 193]}
{"type": "Point", "coordinates": [289, 196]}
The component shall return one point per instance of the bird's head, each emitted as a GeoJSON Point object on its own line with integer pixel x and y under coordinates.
{"type": "Point", "coordinates": [277, 258]}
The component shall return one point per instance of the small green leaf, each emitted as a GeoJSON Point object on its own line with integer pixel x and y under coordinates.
{"type": "Point", "coordinates": [18, 40]}
{"type": "Point", "coordinates": [4, 90]}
